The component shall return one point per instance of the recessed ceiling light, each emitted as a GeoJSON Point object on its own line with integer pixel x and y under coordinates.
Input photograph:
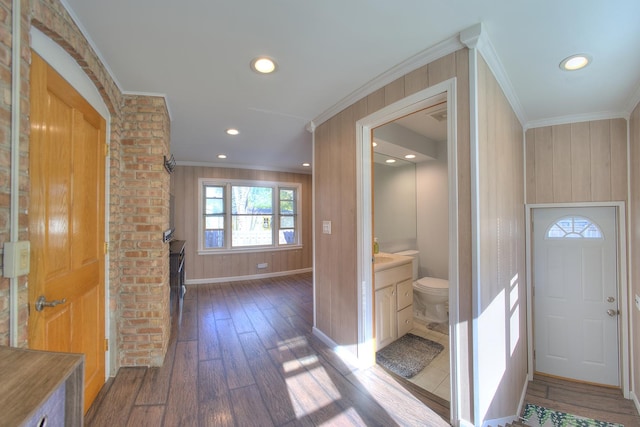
{"type": "Point", "coordinates": [232, 131]}
{"type": "Point", "coordinates": [263, 65]}
{"type": "Point", "coordinates": [390, 160]}
{"type": "Point", "coordinates": [306, 165]}
{"type": "Point", "coordinates": [222, 156]}
{"type": "Point", "coordinates": [575, 62]}
{"type": "Point", "coordinates": [410, 156]}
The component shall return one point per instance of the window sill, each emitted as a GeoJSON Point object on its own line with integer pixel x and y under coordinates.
{"type": "Point", "coordinates": [248, 250]}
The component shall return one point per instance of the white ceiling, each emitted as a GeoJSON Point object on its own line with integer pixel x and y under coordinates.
{"type": "Point", "coordinates": [197, 54]}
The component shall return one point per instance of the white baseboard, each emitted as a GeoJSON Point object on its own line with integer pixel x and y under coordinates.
{"type": "Point", "coordinates": [249, 277]}
{"type": "Point", "coordinates": [345, 354]}
{"type": "Point", "coordinates": [511, 418]}
{"type": "Point", "coordinates": [634, 397]}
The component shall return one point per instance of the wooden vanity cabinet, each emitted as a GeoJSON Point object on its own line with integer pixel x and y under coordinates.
{"type": "Point", "coordinates": [41, 388]}
{"type": "Point", "coordinates": [393, 303]}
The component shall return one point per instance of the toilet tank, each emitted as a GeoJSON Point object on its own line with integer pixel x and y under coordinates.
{"type": "Point", "coordinates": [415, 255]}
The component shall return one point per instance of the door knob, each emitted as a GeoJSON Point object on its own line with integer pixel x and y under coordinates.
{"type": "Point", "coordinates": [42, 302]}
{"type": "Point", "coordinates": [611, 312]}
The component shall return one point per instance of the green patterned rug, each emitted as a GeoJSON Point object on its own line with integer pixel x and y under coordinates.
{"type": "Point", "coordinates": [534, 415]}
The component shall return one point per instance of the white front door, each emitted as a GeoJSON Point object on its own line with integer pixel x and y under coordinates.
{"type": "Point", "coordinates": [576, 293]}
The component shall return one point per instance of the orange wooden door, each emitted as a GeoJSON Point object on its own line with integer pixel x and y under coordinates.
{"type": "Point", "coordinates": [66, 223]}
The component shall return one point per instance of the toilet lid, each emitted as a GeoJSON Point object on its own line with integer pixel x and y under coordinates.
{"type": "Point", "coordinates": [433, 283]}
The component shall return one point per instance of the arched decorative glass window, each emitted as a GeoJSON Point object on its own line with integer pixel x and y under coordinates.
{"type": "Point", "coordinates": [574, 227]}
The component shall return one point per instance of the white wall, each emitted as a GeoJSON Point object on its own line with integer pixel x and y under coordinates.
{"type": "Point", "coordinates": [395, 207]}
{"type": "Point", "coordinates": [432, 204]}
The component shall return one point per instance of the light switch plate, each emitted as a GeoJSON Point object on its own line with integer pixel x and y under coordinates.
{"type": "Point", "coordinates": [16, 258]}
{"type": "Point", "coordinates": [326, 227]}
{"type": "Point", "coordinates": [638, 301]}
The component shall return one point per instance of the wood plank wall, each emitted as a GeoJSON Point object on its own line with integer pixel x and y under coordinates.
{"type": "Point", "coordinates": [577, 162]}
{"type": "Point", "coordinates": [335, 183]}
{"type": "Point", "coordinates": [184, 187]}
{"type": "Point", "coordinates": [634, 234]}
{"type": "Point", "coordinates": [502, 243]}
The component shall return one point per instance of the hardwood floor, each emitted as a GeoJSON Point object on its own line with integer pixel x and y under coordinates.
{"type": "Point", "coordinates": [242, 354]}
{"type": "Point", "coordinates": [600, 403]}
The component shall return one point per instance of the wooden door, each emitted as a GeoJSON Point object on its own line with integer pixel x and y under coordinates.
{"type": "Point", "coordinates": [576, 294]}
{"type": "Point", "coordinates": [66, 223]}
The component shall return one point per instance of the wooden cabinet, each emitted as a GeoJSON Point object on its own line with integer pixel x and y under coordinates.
{"type": "Point", "coordinates": [386, 319]}
{"type": "Point", "coordinates": [394, 303]}
{"type": "Point", "coordinates": [41, 388]}
{"type": "Point", "coordinates": [405, 306]}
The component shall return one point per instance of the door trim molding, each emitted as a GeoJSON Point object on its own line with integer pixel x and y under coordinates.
{"type": "Point", "coordinates": [68, 68]}
{"type": "Point", "coordinates": [624, 290]}
{"type": "Point", "coordinates": [364, 126]}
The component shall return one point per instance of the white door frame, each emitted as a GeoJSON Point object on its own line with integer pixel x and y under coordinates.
{"type": "Point", "coordinates": [625, 298]}
{"type": "Point", "coordinates": [403, 107]}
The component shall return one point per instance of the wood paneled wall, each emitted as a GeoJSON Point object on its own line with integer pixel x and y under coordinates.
{"type": "Point", "coordinates": [501, 260]}
{"type": "Point", "coordinates": [634, 235]}
{"type": "Point", "coordinates": [335, 183]}
{"type": "Point", "coordinates": [184, 187]}
{"type": "Point", "coordinates": [577, 162]}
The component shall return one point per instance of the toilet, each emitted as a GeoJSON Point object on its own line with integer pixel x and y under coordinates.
{"type": "Point", "coordinates": [430, 295]}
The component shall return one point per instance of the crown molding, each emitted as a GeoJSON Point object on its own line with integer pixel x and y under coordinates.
{"type": "Point", "coordinates": [633, 102]}
{"type": "Point", "coordinates": [305, 171]}
{"type": "Point", "coordinates": [576, 118]}
{"type": "Point", "coordinates": [490, 56]}
{"type": "Point", "coordinates": [422, 58]}
{"type": "Point", "coordinates": [311, 126]}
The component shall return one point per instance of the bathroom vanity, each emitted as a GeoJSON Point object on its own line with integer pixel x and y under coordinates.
{"type": "Point", "coordinates": [41, 388]}
{"type": "Point", "coordinates": [393, 277]}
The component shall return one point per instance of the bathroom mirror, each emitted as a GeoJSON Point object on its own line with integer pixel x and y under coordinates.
{"type": "Point", "coordinates": [410, 195]}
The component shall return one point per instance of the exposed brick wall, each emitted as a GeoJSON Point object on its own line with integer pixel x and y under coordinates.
{"type": "Point", "coordinates": [50, 17]}
{"type": "Point", "coordinates": [144, 297]}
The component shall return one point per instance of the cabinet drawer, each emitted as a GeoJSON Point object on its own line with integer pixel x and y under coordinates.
{"type": "Point", "coordinates": [405, 294]}
{"type": "Point", "coordinates": [405, 320]}
{"type": "Point", "coordinates": [384, 278]}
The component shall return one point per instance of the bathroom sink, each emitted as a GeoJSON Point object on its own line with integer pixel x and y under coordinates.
{"type": "Point", "coordinates": [379, 259]}
{"type": "Point", "coordinates": [382, 260]}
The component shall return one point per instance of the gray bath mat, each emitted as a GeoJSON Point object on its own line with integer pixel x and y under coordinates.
{"type": "Point", "coordinates": [408, 355]}
{"type": "Point", "coordinates": [443, 327]}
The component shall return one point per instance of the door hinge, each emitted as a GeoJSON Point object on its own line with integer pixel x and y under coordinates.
{"type": "Point", "coordinates": [106, 248]}
{"type": "Point", "coordinates": [106, 344]}
{"type": "Point", "coordinates": [106, 150]}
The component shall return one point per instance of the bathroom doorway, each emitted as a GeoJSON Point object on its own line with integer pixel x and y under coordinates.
{"type": "Point", "coordinates": [410, 181]}
{"type": "Point", "coordinates": [440, 98]}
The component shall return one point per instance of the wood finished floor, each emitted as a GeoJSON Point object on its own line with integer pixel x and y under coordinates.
{"type": "Point", "coordinates": [600, 403]}
{"type": "Point", "coordinates": [243, 354]}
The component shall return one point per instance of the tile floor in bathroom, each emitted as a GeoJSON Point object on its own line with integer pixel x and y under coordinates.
{"type": "Point", "coordinates": [435, 377]}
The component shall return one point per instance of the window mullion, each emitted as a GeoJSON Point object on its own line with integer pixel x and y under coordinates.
{"type": "Point", "coordinates": [227, 216]}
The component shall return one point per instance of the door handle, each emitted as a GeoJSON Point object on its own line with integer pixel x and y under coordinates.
{"type": "Point", "coordinates": [42, 302]}
{"type": "Point", "coordinates": [611, 312]}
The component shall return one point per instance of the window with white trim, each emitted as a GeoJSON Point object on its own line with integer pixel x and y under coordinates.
{"type": "Point", "coordinates": [574, 227]}
{"type": "Point", "coordinates": [245, 215]}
